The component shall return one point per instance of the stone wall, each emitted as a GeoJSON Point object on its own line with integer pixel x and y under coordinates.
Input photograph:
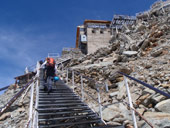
{"type": "Point", "coordinates": [97, 38]}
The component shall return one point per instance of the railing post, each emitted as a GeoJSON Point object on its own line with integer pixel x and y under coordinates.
{"type": "Point", "coordinates": [106, 86]}
{"type": "Point", "coordinates": [82, 92]}
{"type": "Point", "coordinates": [35, 123]}
{"type": "Point", "coordinates": [26, 70]}
{"type": "Point", "coordinates": [73, 79]}
{"type": "Point", "coordinates": [67, 77]}
{"type": "Point", "coordinates": [38, 69]}
{"type": "Point", "coordinates": [62, 66]}
{"type": "Point", "coordinates": [130, 102]}
{"type": "Point", "coordinates": [31, 105]}
{"type": "Point", "coordinates": [99, 102]}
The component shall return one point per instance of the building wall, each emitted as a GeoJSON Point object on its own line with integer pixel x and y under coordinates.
{"type": "Point", "coordinates": [97, 38]}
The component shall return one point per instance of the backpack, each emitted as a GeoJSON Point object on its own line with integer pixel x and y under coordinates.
{"type": "Point", "coordinates": [50, 62]}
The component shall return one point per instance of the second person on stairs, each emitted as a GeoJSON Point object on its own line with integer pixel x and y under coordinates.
{"type": "Point", "coordinates": [49, 73]}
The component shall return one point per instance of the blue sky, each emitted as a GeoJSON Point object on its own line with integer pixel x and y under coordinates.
{"type": "Point", "coordinates": [29, 29]}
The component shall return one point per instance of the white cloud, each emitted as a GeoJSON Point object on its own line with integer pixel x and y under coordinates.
{"type": "Point", "coordinates": [17, 47]}
{"type": "Point", "coordinates": [16, 51]}
{"type": "Point", "coordinates": [22, 49]}
{"type": "Point", "coordinates": [13, 46]}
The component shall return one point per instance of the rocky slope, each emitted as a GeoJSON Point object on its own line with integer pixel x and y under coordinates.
{"type": "Point", "coordinates": [143, 51]}
{"type": "Point", "coordinates": [17, 115]}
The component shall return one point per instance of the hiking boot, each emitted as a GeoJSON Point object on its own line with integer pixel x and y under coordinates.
{"type": "Point", "coordinates": [49, 91]}
{"type": "Point", "coordinates": [45, 88]}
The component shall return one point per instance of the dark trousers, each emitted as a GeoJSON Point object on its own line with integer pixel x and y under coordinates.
{"type": "Point", "coordinates": [49, 71]}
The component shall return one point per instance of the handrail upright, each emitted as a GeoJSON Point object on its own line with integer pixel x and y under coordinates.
{"type": "Point", "coordinates": [31, 105]}
{"type": "Point", "coordinates": [73, 80]}
{"type": "Point", "coordinates": [82, 88]}
{"type": "Point", "coordinates": [99, 103]}
{"type": "Point", "coordinates": [130, 102]}
{"type": "Point", "coordinates": [35, 121]}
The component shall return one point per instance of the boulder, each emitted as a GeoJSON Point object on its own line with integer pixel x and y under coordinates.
{"type": "Point", "coordinates": [5, 115]}
{"type": "Point", "coordinates": [110, 113]}
{"type": "Point", "coordinates": [163, 106]}
{"type": "Point", "coordinates": [157, 119]}
{"type": "Point", "coordinates": [166, 85]}
{"type": "Point", "coordinates": [145, 44]}
{"type": "Point", "coordinates": [122, 90]}
{"type": "Point", "coordinates": [157, 98]}
{"type": "Point", "coordinates": [130, 53]}
{"type": "Point", "coordinates": [113, 94]}
{"type": "Point", "coordinates": [156, 53]}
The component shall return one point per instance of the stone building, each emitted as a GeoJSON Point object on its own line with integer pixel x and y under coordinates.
{"type": "Point", "coordinates": [92, 35]}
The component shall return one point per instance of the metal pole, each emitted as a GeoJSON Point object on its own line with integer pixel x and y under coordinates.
{"type": "Point", "coordinates": [38, 69]}
{"type": "Point", "coordinates": [99, 102]}
{"type": "Point", "coordinates": [67, 76]}
{"type": "Point", "coordinates": [31, 104]}
{"type": "Point", "coordinates": [82, 92]}
{"type": "Point", "coordinates": [62, 66]}
{"type": "Point", "coordinates": [73, 79]}
{"type": "Point", "coordinates": [106, 87]}
{"type": "Point", "coordinates": [35, 123]}
{"type": "Point", "coordinates": [130, 102]}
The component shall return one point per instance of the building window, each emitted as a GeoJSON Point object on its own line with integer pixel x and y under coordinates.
{"type": "Point", "coordinates": [93, 31]}
{"type": "Point", "coordinates": [101, 32]}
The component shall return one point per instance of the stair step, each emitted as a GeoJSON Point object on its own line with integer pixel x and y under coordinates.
{"type": "Point", "coordinates": [62, 108]}
{"type": "Point", "coordinates": [56, 89]}
{"type": "Point", "coordinates": [70, 123]}
{"type": "Point", "coordinates": [66, 104]}
{"type": "Point", "coordinates": [59, 89]}
{"type": "Point", "coordinates": [109, 126]}
{"type": "Point", "coordinates": [59, 94]}
{"type": "Point", "coordinates": [56, 96]}
{"type": "Point", "coordinates": [61, 98]}
{"type": "Point", "coordinates": [68, 117]}
{"type": "Point", "coordinates": [59, 101]}
{"type": "Point", "coordinates": [66, 112]}
{"type": "Point", "coordinates": [53, 92]}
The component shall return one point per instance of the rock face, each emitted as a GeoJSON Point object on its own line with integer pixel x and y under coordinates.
{"type": "Point", "coordinates": [142, 52]}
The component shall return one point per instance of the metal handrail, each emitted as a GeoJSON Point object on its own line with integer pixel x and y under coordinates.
{"type": "Point", "coordinates": [1, 89]}
{"type": "Point", "coordinates": [98, 100]}
{"type": "Point", "coordinates": [146, 85]}
{"type": "Point", "coordinates": [14, 98]}
{"type": "Point", "coordinates": [128, 91]}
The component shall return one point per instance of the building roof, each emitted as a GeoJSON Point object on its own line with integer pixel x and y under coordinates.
{"type": "Point", "coordinates": [97, 21]}
{"type": "Point", "coordinates": [23, 76]}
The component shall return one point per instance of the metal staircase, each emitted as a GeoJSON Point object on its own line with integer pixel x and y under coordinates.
{"type": "Point", "coordinates": [62, 108]}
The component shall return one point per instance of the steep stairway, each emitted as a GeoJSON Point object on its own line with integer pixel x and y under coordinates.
{"type": "Point", "coordinates": [62, 108]}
